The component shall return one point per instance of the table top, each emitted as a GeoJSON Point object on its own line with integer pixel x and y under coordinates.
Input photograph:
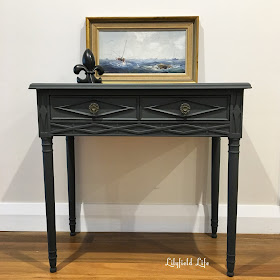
{"type": "Point", "coordinates": [140, 86]}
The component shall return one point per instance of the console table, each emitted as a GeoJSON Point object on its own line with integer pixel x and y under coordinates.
{"type": "Point", "coordinates": [178, 110]}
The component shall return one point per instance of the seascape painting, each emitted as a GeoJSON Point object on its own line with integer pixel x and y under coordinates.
{"type": "Point", "coordinates": [156, 51]}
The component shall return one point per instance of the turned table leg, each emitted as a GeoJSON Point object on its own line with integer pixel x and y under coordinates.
{"type": "Point", "coordinates": [215, 179]}
{"type": "Point", "coordinates": [232, 202]}
{"type": "Point", "coordinates": [71, 183]}
{"type": "Point", "coordinates": [49, 198]}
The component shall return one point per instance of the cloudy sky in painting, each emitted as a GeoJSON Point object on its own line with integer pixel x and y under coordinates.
{"type": "Point", "coordinates": [142, 44]}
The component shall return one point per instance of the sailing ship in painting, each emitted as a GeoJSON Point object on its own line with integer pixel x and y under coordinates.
{"type": "Point", "coordinates": [134, 58]}
{"type": "Point", "coordinates": [122, 59]}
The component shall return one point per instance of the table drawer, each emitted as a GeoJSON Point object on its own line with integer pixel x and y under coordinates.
{"type": "Point", "coordinates": [93, 107]}
{"type": "Point", "coordinates": [189, 108]}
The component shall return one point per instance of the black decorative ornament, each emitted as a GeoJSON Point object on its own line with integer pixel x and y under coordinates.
{"type": "Point", "coordinates": [89, 67]}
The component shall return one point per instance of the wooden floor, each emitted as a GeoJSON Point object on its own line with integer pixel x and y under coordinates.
{"type": "Point", "coordinates": [136, 256]}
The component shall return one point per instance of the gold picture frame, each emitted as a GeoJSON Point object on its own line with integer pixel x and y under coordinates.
{"type": "Point", "coordinates": [150, 44]}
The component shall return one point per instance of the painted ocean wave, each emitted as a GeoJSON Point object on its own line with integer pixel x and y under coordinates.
{"type": "Point", "coordinates": [143, 65]}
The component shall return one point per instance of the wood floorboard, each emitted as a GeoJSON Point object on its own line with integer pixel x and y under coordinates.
{"type": "Point", "coordinates": [23, 255]}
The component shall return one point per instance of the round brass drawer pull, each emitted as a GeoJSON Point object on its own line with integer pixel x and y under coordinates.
{"type": "Point", "coordinates": [94, 108]}
{"type": "Point", "coordinates": [185, 108]}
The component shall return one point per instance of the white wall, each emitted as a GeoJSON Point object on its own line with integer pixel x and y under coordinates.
{"type": "Point", "coordinates": [41, 41]}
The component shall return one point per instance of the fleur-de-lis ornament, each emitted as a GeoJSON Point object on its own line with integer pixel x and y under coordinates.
{"type": "Point", "coordinates": [89, 67]}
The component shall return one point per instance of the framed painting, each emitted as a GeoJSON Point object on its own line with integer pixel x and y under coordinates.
{"type": "Point", "coordinates": [145, 49]}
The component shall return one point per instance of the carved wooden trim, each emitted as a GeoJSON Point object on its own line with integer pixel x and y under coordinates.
{"type": "Point", "coordinates": [138, 128]}
{"type": "Point", "coordinates": [236, 114]}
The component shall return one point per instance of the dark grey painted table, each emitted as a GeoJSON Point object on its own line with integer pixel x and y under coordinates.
{"type": "Point", "coordinates": [185, 110]}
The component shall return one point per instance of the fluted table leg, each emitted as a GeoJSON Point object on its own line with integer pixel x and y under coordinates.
{"type": "Point", "coordinates": [215, 180]}
{"type": "Point", "coordinates": [71, 183]}
{"type": "Point", "coordinates": [233, 162]}
{"type": "Point", "coordinates": [49, 199]}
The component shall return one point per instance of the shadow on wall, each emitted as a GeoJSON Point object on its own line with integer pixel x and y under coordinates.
{"type": "Point", "coordinates": [256, 188]}
{"type": "Point", "coordinates": [83, 40]}
{"type": "Point", "coordinates": [23, 186]}
{"type": "Point", "coordinates": [106, 169]}
{"type": "Point", "coordinates": [137, 170]}
{"type": "Point", "coordinates": [201, 58]}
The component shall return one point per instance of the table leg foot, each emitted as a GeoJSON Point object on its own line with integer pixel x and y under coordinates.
{"type": "Point", "coordinates": [214, 226]}
{"type": "Point", "coordinates": [214, 235]}
{"type": "Point", "coordinates": [230, 268]}
{"type": "Point", "coordinates": [230, 274]}
{"type": "Point", "coordinates": [52, 261]}
{"type": "Point", "coordinates": [72, 224]}
{"type": "Point", "coordinates": [53, 269]}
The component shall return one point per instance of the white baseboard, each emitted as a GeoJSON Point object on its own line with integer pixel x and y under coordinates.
{"type": "Point", "coordinates": [139, 218]}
